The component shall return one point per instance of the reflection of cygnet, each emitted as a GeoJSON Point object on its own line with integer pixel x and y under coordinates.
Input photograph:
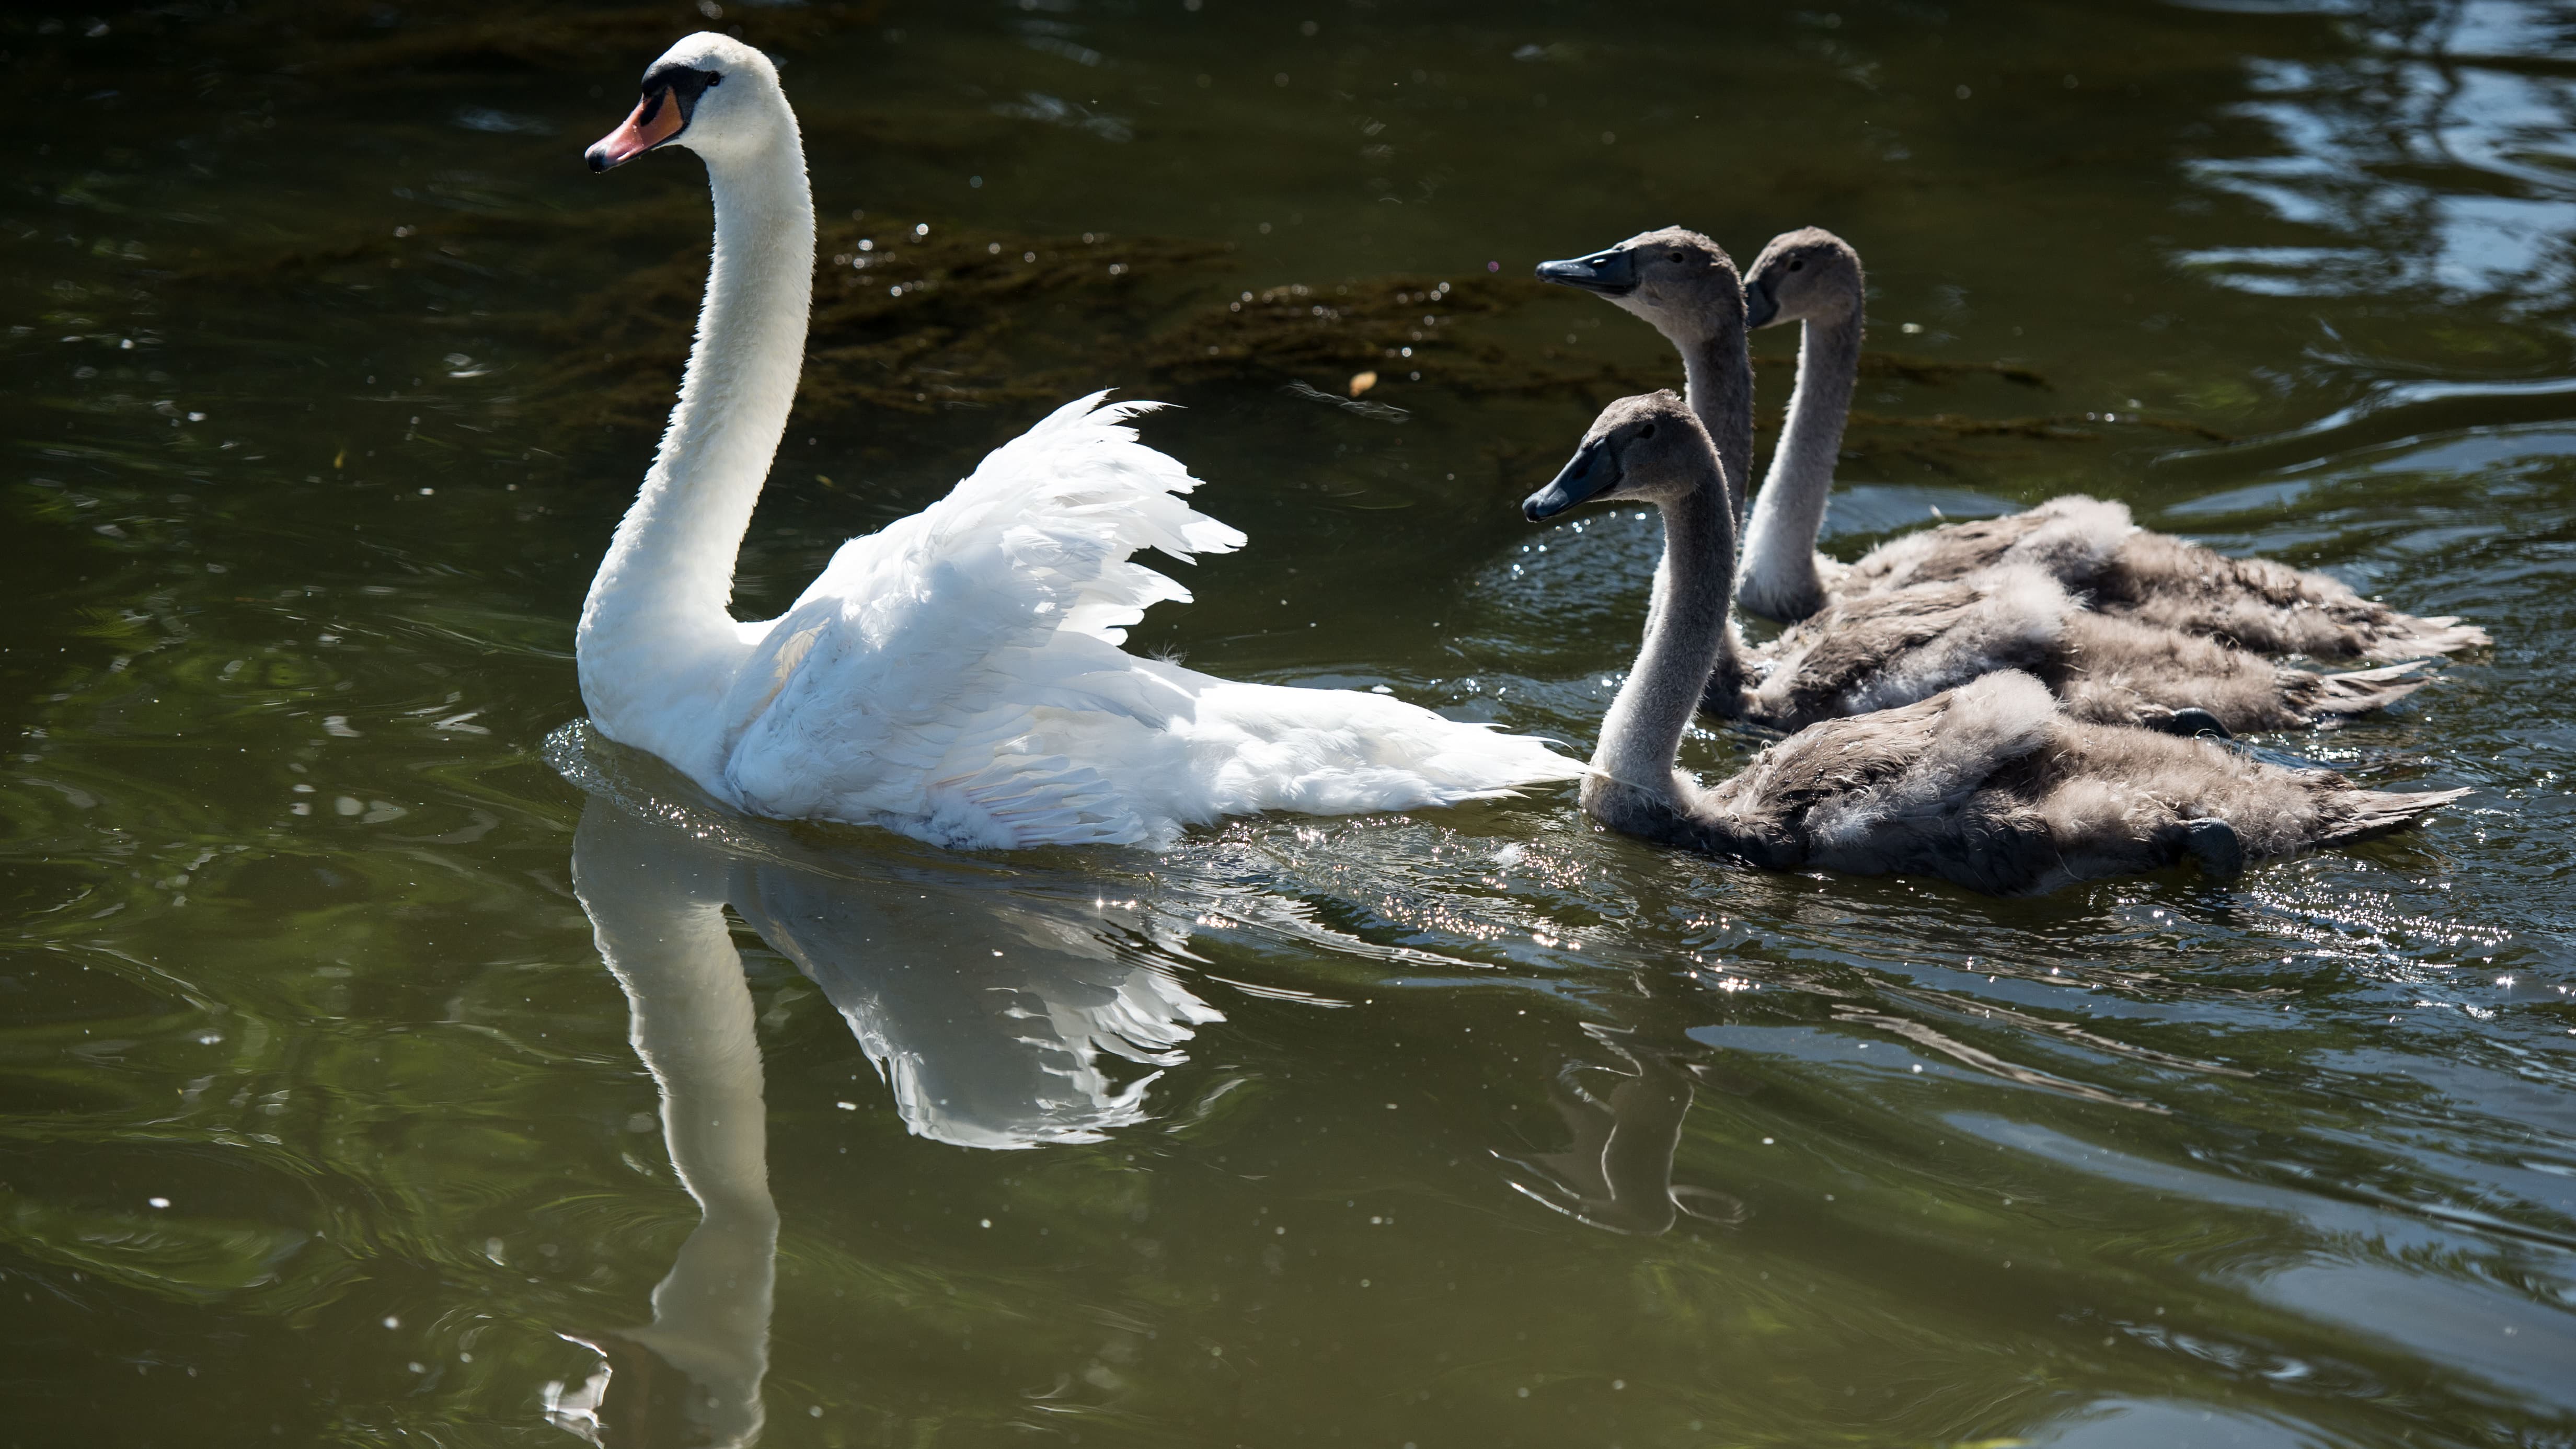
{"type": "Point", "coordinates": [990, 1011]}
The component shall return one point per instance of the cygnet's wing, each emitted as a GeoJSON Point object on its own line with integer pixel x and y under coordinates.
{"type": "Point", "coordinates": [2070, 539]}
{"type": "Point", "coordinates": [1890, 649]}
{"type": "Point", "coordinates": [2269, 607]}
{"type": "Point", "coordinates": [1875, 791]}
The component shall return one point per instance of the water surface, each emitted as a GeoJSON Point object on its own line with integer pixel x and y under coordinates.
{"type": "Point", "coordinates": [385, 1058]}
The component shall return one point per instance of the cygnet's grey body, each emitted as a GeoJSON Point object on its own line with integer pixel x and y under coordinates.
{"type": "Point", "coordinates": [1880, 650]}
{"type": "Point", "coordinates": [1896, 644]}
{"type": "Point", "coordinates": [1990, 785]}
{"type": "Point", "coordinates": [1814, 278]}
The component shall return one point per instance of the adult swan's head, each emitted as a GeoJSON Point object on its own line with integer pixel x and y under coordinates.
{"type": "Point", "coordinates": [710, 93]}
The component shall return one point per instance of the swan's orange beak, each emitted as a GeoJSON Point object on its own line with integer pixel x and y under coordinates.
{"type": "Point", "coordinates": [657, 119]}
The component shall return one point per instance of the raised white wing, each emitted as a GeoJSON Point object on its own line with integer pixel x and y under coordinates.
{"type": "Point", "coordinates": [958, 676]}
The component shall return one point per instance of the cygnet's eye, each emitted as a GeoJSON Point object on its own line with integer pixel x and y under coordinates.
{"type": "Point", "coordinates": [1793, 266]}
{"type": "Point", "coordinates": [1677, 256]}
{"type": "Point", "coordinates": [1647, 431]}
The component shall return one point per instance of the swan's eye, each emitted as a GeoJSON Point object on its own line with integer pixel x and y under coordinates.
{"type": "Point", "coordinates": [714, 81]}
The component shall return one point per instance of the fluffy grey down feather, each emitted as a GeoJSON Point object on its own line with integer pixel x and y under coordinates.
{"type": "Point", "coordinates": [2158, 580]}
{"type": "Point", "coordinates": [1991, 784]}
{"type": "Point", "coordinates": [1882, 650]}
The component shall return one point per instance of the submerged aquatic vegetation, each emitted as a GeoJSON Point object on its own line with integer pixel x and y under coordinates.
{"type": "Point", "coordinates": [912, 316]}
{"type": "Point", "coordinates": [1907, 367]}
{"type": "Point", "coordinates": [919, 316]}
{"type": "Point", "coordinates": [1405, 325]}
{"type": "Point", "coordinates": [906, 317]}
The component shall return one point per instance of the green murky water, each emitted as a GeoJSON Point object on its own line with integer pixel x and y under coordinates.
{"type": "Point", "coordinates": [328, 370]}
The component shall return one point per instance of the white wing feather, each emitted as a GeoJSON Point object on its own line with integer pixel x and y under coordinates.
{"type": "Point", "coordinates": [957, 676]}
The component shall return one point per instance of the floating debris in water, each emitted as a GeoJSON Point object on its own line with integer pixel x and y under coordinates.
{"type": "Point", "coordinates": [1379, 412]}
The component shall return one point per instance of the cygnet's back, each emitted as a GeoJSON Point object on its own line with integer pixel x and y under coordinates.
{"type": "Point", "coordinates": [1993, 787]}
{"type": "Point", "coordinates": [1882, 650]}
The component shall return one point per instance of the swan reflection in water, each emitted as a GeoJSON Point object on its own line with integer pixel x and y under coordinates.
{"type": "Point", "coordinates": [990, 1003]}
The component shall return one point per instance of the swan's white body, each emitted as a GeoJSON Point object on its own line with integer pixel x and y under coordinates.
{"type": "Point", "coordinates": [958, 676]}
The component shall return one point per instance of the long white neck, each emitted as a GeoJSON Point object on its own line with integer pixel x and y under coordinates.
{"type": "Point", "coordinates": [1686, 643]}
{"type": "Point", "coordinates": [657, 644]}
{"type": "Point", "coordinates": [1779, 571]}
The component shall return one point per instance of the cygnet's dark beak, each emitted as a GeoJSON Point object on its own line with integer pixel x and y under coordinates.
{"type": "Point", "coordinates": [1592, 472]}
{"type": "Point", "coordinates": [1612, 273]}
{"type": "Point", "coordinates": [1761, 304]}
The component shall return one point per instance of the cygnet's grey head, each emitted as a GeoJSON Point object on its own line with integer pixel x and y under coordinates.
{"type": "Point", "coordinates": [1646, 449]}
{"type": "Point", "coordinates": [1803, 274]}
{"type": "Point", "coordinates": [1678, 280]}
{"type": "Point", "coordinates": [710, 93]}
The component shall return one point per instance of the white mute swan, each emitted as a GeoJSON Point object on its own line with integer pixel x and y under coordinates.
{"type": "Point", "coordinates": [1897, 645]}
{"type": "Point", "coordinates": [957, 676]}
{"type": "Point", "coordinates": [1989, 785]}
{"type": "Point", "coordinates": [1813, 278]}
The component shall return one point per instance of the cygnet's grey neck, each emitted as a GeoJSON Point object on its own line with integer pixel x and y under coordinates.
{"type": "Point", "coordinates": [1779, 577]}
{"type": "Point", "coordinates": [1718, 376]}
{"type": "Point", "coordinates": [1688, 640]}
